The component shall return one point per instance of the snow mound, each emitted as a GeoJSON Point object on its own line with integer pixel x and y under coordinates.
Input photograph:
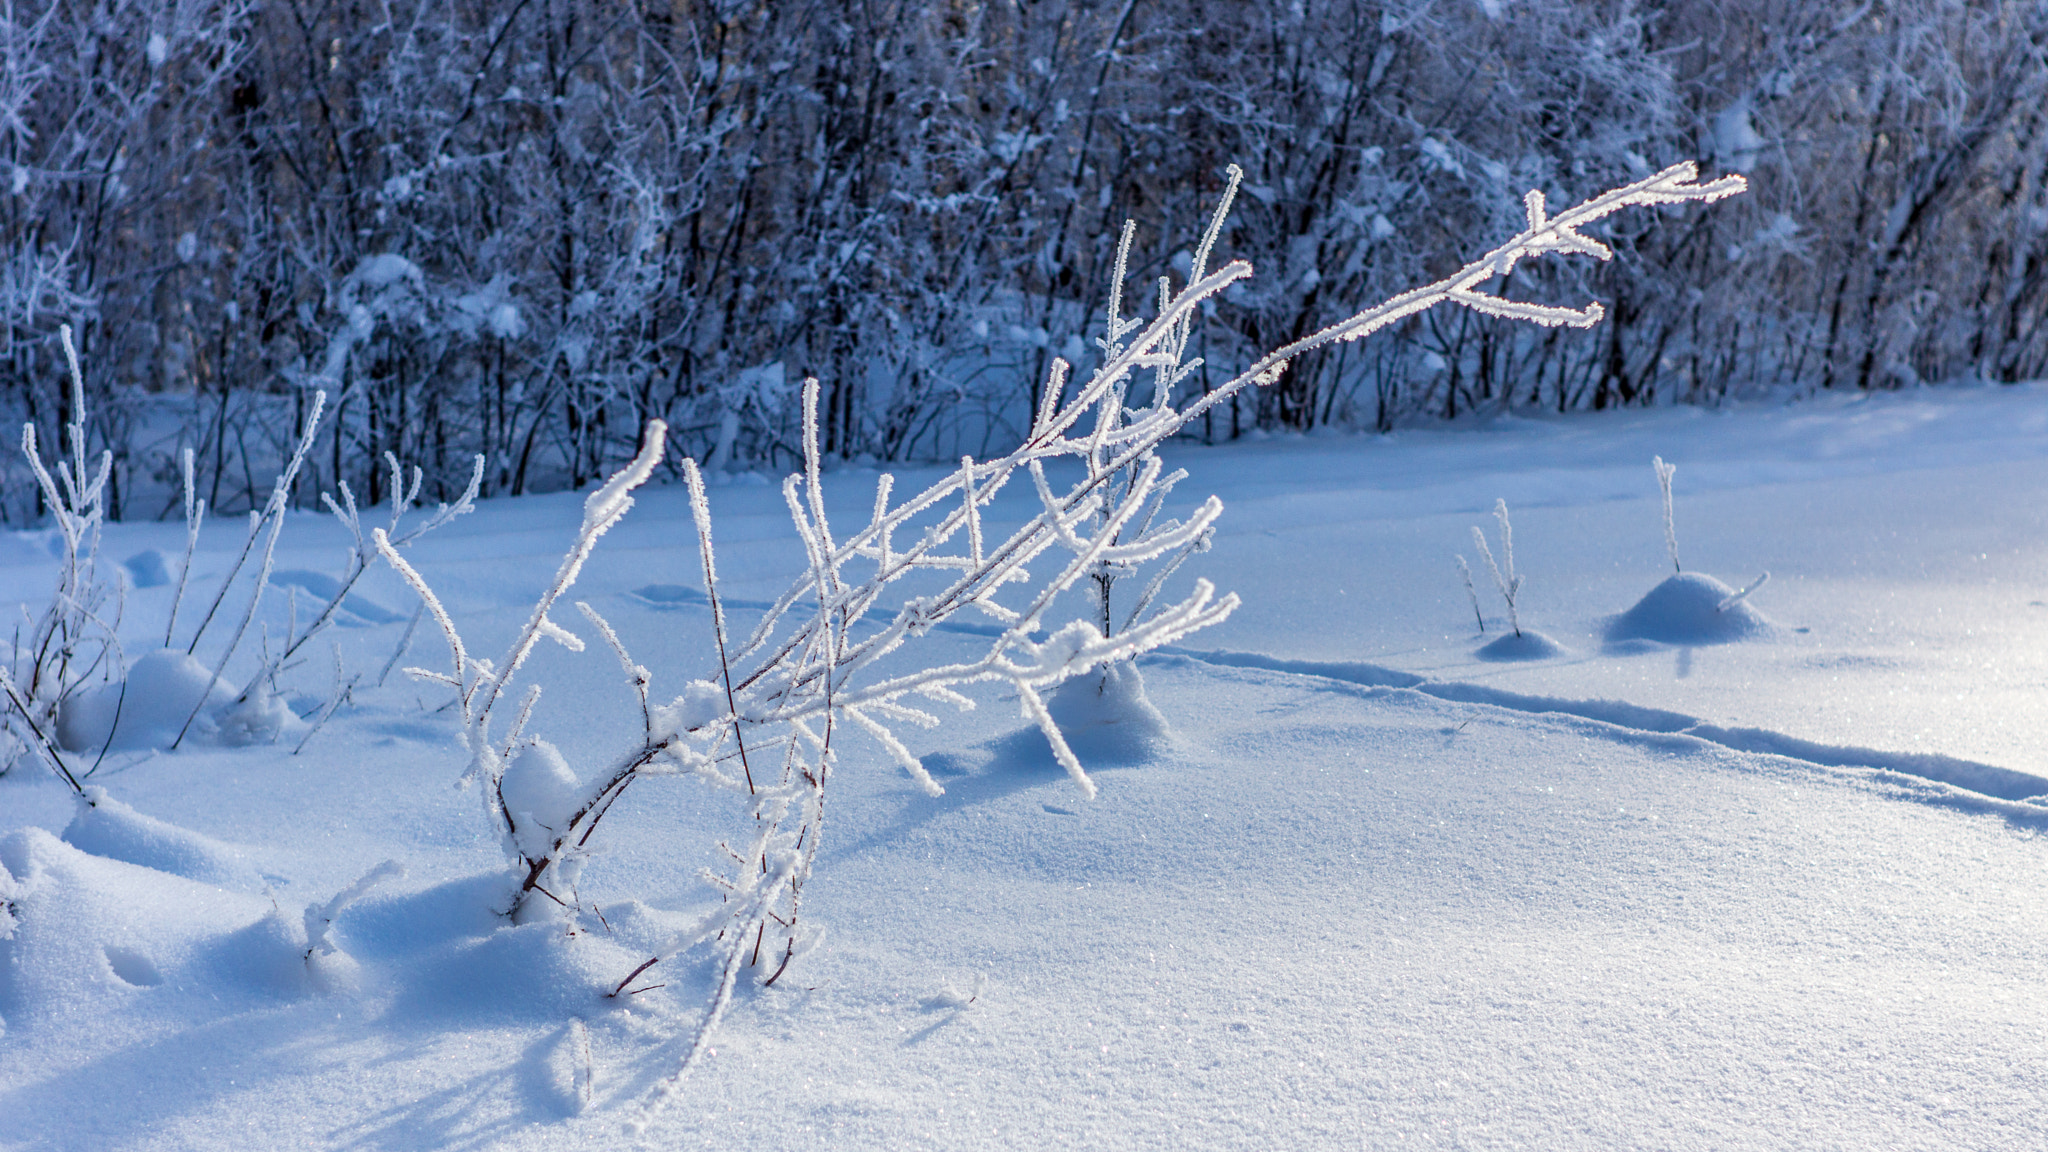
{"type": "Point", "coordinates": [268, 955]}
{"type": "Point", "coordinates": [263, 718]}
{"type": "Point", "coordinates": [672, 596]}
{"type": "Point", "coordinates": [535, 973]}
{"type": "Point", "coordinates": [149, 568]}
{"type": "Point", "coordinates": [541, 793]}
{"type": "Point", "coordinates": [356, 611]}
{"type": "Point", "coordinates": [107, 828]}
{"type": "Point", "coordinates": [150, 706]}
{"type": "Point", "coordinates": [387, 925]}
{"type": "Point", "coordinates": [1529, 644]}
{"type": "Point", "coordinates": [1687, 609]}
{"type": "Point", "coordinates": [1107, 718]}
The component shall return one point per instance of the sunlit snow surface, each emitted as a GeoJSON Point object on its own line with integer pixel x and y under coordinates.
{"type": "Point", "coordinates": [1374, 890]}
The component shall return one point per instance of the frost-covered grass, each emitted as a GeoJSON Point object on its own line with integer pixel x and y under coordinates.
{"type": "Point", "coordinates": [1783, 889]}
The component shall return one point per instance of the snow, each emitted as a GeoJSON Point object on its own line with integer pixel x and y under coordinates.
{"type": "Point", "coordinates": [148, 568]}
{"type": "Point", "coordinates": [107, 828]}
{"type": "Point", "coordinates": [1765, 875]}
{"type": "Point", "coordinates": [1527, 644]}
{"type": "Point", "coordinates": [384, 270]}
{"type": "Point", "coordinates": [541, 792]}
{"type": "Point", "coordinates": [148, 709]}
{"type": "Point", "coordinates": [356, 610]}
{"type": "Point", "coordinates": [506, 323]}
{"type": "Point", "coordinates": [1106, 717]}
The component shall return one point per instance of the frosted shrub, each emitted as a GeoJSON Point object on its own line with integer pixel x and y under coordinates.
{"type": "Point", "coordinates": [67, 688]}
{"type": "Point", "coordinates": [764, 724]}
{"type": "Point", "coordinates": [72, 640]}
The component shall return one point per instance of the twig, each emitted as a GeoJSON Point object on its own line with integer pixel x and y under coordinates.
{"type": "Point", "coordinates": [1465, 574]}
{"type": "Point", "coordinates": [1664, 473]}
{"type": "Point", "coordinates": [1734, 598]}
{"type": "Point", "coordinates": [41, 740]}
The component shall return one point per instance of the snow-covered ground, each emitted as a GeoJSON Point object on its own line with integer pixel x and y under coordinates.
{"type": "Point", "coordinates": [1376, 889]}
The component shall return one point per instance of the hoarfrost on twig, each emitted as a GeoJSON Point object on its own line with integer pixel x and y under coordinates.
{"type": "Point", "coordinates": [1734, 598]}
{"type": "Point", "coordinates": [1664, 473]}
{"type": "Point", "coordinates": [1504, 576]}
{"type": "Point", "coordinates": [784, 694]}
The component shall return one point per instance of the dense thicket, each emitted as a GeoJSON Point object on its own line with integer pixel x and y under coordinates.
{"type": "Point", "coordinates": [520, 227]}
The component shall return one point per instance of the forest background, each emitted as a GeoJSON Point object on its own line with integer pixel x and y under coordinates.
{"type": "Point", "coordinates": [523, 228]}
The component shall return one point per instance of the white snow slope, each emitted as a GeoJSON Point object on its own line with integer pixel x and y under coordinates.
{"type": "Point", "coordinates": [1373, 890]}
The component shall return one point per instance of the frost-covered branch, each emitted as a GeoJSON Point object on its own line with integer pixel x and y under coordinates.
{"type": "Point", "coordinates": [768, 728]}
{"type": "Point", "coordinates": [1543, 234]}
{"type": "Point", "coordinates": [480, 684]}
{"type": "Point", "coordinates": [69, 642]}
{"type": "Point", "coordinates": [363, 553]}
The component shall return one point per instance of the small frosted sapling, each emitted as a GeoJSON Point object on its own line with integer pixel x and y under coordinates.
{"type": "Point", "coordinates": [1504, 575]}
{"type": "Point", "coordinates": [1664, 472]}
{"type": "Point", "coordinates": [1107, 709]}
{"type": "Point", "coordinates": [1521, 643]}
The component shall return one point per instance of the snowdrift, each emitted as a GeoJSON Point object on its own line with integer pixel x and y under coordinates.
{"type": "Point", "coordinates": [1690, 608]}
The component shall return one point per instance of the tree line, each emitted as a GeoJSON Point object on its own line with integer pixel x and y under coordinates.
{"type": "Point", "coordinates": [521, 228]}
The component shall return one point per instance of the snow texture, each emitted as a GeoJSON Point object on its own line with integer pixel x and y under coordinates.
{"type": "Point", "coordinates": [106, 827]}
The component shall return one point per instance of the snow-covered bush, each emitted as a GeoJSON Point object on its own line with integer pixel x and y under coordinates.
{"type": "Point", "coordinates": [764, 725]}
